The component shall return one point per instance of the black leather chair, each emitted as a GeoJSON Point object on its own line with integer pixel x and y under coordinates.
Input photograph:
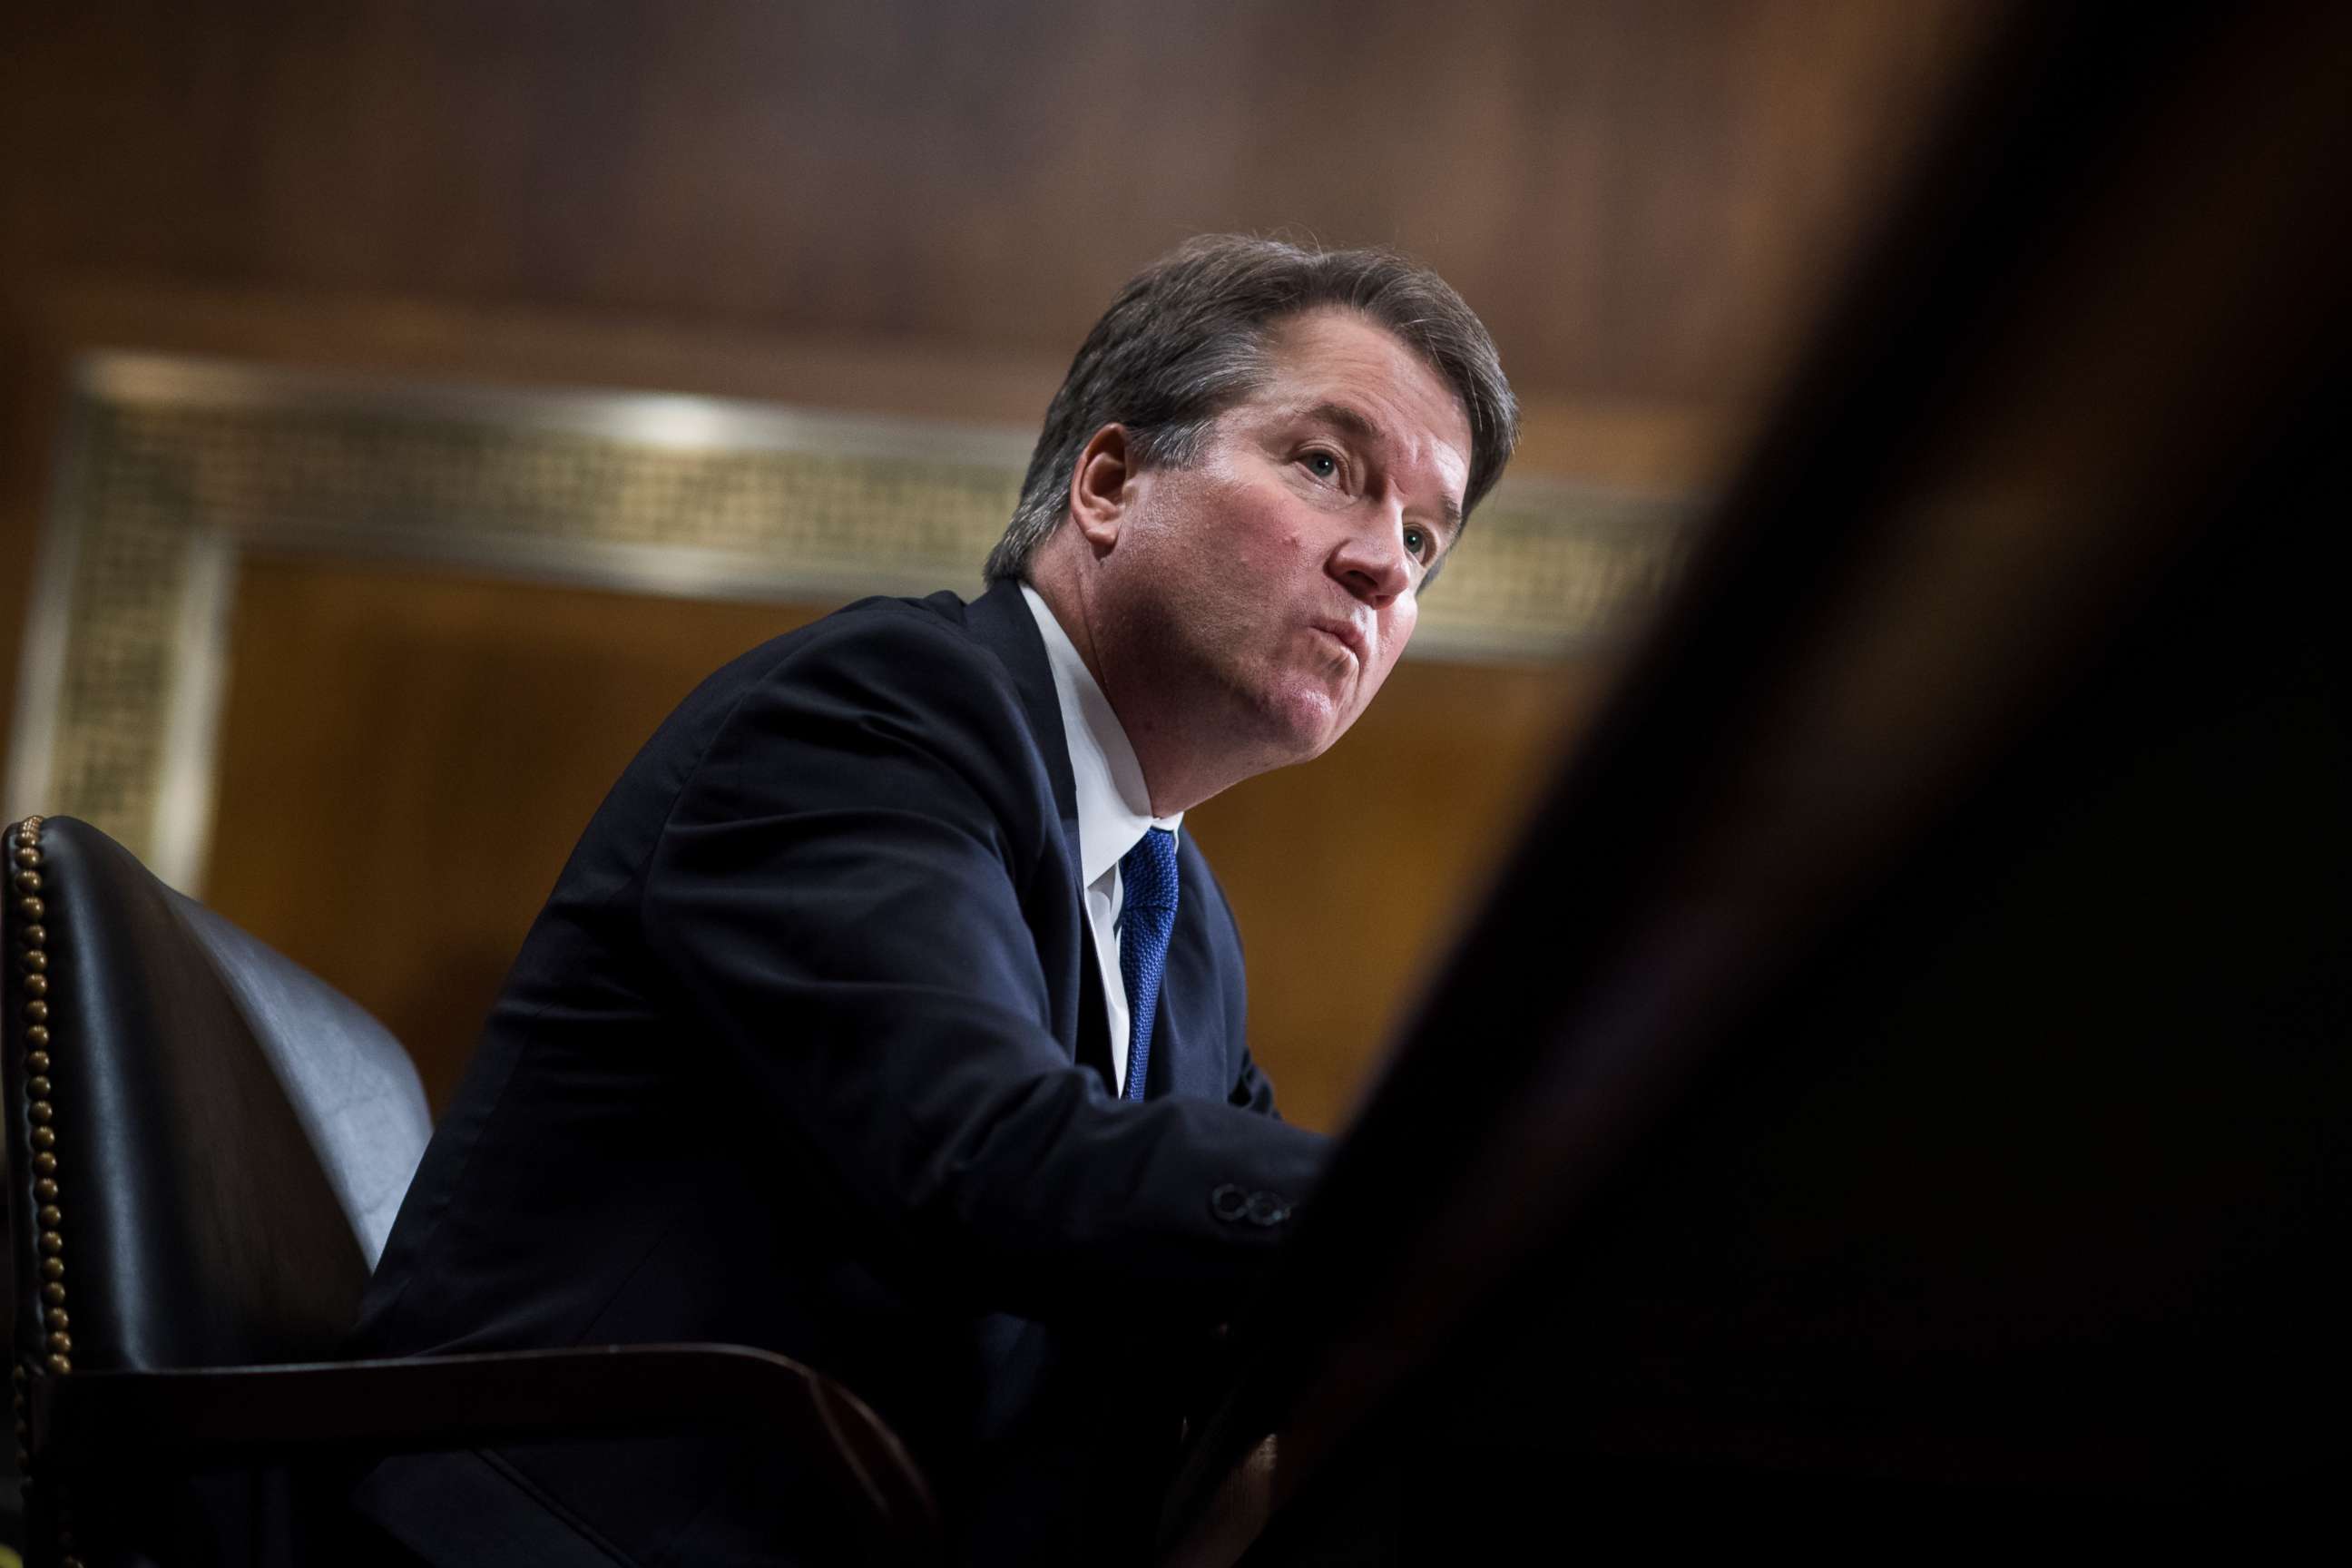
{"type": "Point", "coordinates": [207, 1145]}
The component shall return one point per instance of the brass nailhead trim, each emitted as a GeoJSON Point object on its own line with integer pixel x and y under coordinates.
{"type": "Point", "coordinates": [33, 962]}
{"type": "Point", "coordinates": [40, 1109]}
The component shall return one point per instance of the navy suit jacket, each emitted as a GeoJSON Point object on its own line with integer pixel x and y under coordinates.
{"type": "Point", "coordinates": [807, 1051]}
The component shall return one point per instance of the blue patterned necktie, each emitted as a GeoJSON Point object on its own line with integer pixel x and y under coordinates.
{"type": "Point", "coordinates": [1147, 876]}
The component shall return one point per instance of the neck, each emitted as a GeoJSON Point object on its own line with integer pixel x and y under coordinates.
{"type": "Point", "coordinates": [1180, 771]}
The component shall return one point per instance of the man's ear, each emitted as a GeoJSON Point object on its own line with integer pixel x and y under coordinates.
{"type": "Point", "coordinates": [1098, 487]}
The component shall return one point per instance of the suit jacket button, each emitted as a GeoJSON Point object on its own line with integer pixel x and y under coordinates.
{"type": "Point", "coordinates": [1229, 1204]}
{"type": "Point", "coordinates": [1266, 1209]}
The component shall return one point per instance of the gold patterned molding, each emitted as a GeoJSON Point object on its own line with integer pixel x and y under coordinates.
{"type": "Point", "coordinates": [172, 468]}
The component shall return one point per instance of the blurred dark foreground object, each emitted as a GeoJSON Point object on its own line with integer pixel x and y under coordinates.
{"type": "Point", "coordinates": [1898, 1092]}
{"type": "Point", "coordinates": [206, 1148]}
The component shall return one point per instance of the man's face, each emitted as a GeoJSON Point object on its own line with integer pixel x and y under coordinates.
{"type": "Point", "coordinates": [1273, 582]}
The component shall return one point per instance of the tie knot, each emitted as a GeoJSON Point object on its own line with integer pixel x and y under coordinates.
{"type": "Point", "coordinates": [1148, 872]}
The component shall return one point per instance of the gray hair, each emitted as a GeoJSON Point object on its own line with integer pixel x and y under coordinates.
{"type": "Point", "coordinates": [1187, 338]}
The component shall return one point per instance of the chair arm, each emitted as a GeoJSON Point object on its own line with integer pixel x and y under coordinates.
{"type": "Point", "coordinates": [434, 1403]}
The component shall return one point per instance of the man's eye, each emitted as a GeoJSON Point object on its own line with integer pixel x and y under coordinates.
{"type": "Point", "coordinates": [1322, 465]}
{"type": "Point", "coordinates": [1416, 541]}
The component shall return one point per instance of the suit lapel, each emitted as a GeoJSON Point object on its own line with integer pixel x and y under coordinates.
{"type": "Point", "coordinates": [1188, 1044]}
{"type": "Point", "coordinates": [1000, 620]}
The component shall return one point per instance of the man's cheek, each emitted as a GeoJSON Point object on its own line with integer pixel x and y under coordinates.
{"type": "Point", "coordinates": [1403, 615]}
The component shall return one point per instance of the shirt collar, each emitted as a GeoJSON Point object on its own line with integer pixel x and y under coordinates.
{"type": "Point", "coordinates": [1114, 806]}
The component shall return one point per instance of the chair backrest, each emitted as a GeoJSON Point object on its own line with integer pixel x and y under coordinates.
{"type": "Point", "coordinates": [206, 1144]}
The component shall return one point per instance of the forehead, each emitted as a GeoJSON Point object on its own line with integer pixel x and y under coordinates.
{"type": "Point", "coordinates": [1335, 355]}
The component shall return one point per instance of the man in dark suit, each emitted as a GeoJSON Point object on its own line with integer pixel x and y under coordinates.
{"type": "Point", "coordinates": [885, 1016]}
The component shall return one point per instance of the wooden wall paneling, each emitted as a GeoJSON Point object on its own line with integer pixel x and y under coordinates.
{"type": "Point", "coordinates": [1637, 196]}
{"type": "Point", "coordinates": [1629, 190]}
{"type": "Point", "coordinates": [407, 757]}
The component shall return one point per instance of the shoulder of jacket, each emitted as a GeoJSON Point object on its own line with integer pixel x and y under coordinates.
{"type": "Point", "coordinates": [883, 635]}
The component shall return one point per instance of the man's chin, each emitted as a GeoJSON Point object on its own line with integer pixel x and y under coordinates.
{"type": "Point", "coordinates": [1303, 725]}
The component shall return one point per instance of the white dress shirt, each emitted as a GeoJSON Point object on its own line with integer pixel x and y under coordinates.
{"type": "Point", "coordinates": [1114, 807]}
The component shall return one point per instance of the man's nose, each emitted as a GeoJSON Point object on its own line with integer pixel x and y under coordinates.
{"type": "Point", "coordinates": [1372, 562]}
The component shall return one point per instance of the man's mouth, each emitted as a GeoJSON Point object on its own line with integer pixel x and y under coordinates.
{"type": "Point", "coordinates": [1345, 636]}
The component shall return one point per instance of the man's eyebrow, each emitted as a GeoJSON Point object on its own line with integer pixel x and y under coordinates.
{"type": "Point", "coordinates": [1353, 423]}
{"type": "Point", "coordinates": [1348, 420]}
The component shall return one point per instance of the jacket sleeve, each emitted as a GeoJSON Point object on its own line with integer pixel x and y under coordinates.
{"type": "Point", "coordinates": [838, 896]}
